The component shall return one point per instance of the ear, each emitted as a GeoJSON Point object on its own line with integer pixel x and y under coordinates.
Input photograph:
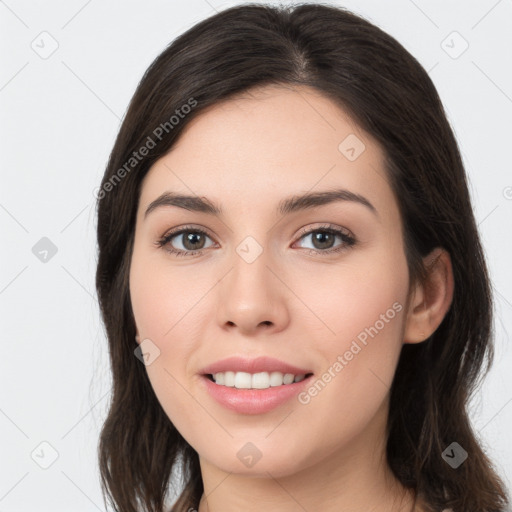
{"type": "Point", "coordinates": [431, 300]}
{"type": "Point", "coordinates": [137, 337]}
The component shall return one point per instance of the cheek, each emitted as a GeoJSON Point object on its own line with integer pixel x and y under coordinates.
{"type": "Point", "coordinates": [169, 312]}
{"type": "Point", "coordinates": [164, 299]}
{"type": "Point", "coordinates": [362, 308]}
{"type": "Point", "coordinates": [367, 314]}
{"type": "Point", "coordinates": [360, 298]}
{"type": "Point", "coordinates": [366, 344]}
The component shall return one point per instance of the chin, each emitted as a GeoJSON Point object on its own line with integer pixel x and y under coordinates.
{"type": "Point", "coordinates": [259, 458]}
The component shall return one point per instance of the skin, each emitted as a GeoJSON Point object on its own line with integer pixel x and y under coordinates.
{"type": "Point", "coordinates": [247, 154]}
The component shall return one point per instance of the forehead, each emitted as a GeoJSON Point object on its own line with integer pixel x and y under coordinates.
{"type": "Point", "coordinates": [267, 143]}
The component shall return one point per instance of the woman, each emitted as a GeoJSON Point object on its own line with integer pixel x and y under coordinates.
{"type": "Point", "coordinates": [267, 373]}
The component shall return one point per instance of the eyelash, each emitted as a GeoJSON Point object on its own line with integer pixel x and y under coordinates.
{"type": "Point", "coordinates": [349, 241]}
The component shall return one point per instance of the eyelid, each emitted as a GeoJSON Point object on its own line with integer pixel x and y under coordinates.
{"type": "Point", "coordinates": [303, 231]}
{"type": "Point", "coordinates": [186, 227]}
{"type": "Point", "coordinates": [323, 226]}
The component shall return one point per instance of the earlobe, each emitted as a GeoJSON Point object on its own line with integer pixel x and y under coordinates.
{"type": "Point", "coordinates": [431, 299]}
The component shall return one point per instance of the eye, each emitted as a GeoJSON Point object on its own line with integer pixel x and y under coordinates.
{"type": "Point", "coordinates": [323, 238]}
{"type": "Point", "coordinates": [190, 238]}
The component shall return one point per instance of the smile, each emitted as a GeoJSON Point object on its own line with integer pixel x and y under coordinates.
{"type": "Point", "coordinates": [261, 380]}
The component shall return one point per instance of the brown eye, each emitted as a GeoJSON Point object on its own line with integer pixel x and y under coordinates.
{"type": "Point", "coordinates": [323, 239]}
{"type": "Point", "coordinates": [192, 240]}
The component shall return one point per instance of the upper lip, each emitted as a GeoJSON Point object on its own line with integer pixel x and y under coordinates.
{"type": "Point", "coordinates": [257, 365]}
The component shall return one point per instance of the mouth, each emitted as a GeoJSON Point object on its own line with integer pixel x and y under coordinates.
{"type": "Point", "coordinates": [254, 393]}
{"type": "Point", "coordinates": [253, 386]}
{"type": "Point", "coordinates": [260, 380]}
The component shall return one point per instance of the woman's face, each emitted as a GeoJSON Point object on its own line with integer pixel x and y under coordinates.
{"type": "Point", "coordinates": [267, 279]}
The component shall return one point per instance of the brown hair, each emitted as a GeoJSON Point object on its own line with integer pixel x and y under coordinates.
{"type": "Point", "coordinates": [389, 94]}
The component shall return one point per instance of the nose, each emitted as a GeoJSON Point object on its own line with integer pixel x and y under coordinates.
{"type": "Point", "coordinates": [252, 298]}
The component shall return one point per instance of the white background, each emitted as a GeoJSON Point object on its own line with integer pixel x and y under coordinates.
{"type": "Point", "coordinates": [59, 118]}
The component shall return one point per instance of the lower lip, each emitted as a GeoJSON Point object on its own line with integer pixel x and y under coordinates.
{"type": "Point", "coordinates": [253, 401]}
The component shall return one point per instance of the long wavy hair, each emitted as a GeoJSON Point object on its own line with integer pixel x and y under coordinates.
{"type": "Point", "coordinates": [389, 94]}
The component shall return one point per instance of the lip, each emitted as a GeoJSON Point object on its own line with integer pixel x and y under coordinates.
{"type": "Point", "coordinates": [257, 365]}
{"type": "Point", "coordinates": [253, 401]}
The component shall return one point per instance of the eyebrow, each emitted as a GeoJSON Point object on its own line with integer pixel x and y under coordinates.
{"type": "Point", "coordinates": [286, 206]}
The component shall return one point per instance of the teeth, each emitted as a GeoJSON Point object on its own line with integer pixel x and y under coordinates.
{"type": "Point", "coordinates": [262, 380]}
